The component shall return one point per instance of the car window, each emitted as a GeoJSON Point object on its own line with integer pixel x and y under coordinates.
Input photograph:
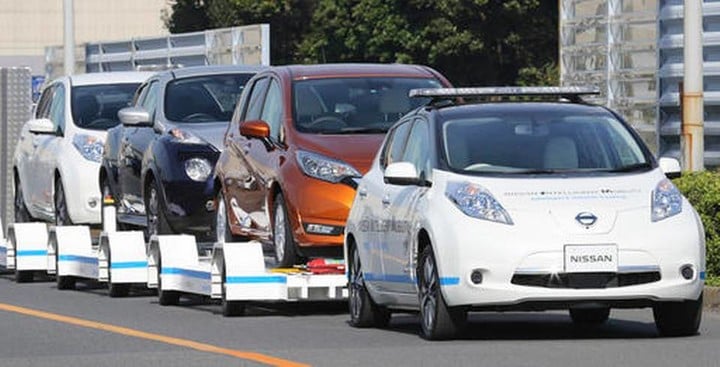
{"type": "Point", "coordinates": [207, 98]}
{"type": "Point", "coordinates": [43, 107]}
{"type": "Point", "coordinates": [354, 105]}
{"type": "Point", "coordinates": [272, 109]}
{"type": "Point", "coordinates": [396, 144]}
{"type": "Point", "coordinates": [149, 101]}
{"type": "Point", "coordinates": [57, 108]}
{"type": "Point", "coordinates": [540, 140]}
{"type": "Point", "coordinates": [96, 106]}
{"type": "Point", "coordinates": [417, 149]}
{"type": "Point", "coordinates": [254, 104]}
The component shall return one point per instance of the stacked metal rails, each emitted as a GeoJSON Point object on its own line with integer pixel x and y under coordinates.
{"type": "Point", "coordinates": [15, 109]}
{"type": "Point", "coordinates": [246, 45]}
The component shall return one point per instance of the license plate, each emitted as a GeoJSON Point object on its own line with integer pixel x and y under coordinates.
{"type": "Point", "coordinates": [591, 258]}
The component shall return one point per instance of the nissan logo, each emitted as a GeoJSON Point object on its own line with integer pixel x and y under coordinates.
{"type": "Point", "coordinates": [586, 219]}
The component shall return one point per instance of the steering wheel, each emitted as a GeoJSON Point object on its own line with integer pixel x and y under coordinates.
{"type": "Point", "coordinates": [327, 120]}
{"type": "Point", "coordinates": [199, 116]}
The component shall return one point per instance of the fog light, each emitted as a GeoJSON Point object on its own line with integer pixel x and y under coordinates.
{"type": "Point", "coordinates": [323, 229]}
{"type": "Point", "coordinates": [687, 272]}
{"type": "Point", "coordinates": [92, 203]}
{"type": "Point", "coordinates": [476, 277]}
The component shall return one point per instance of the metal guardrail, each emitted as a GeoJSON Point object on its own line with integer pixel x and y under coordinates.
{"type": "Point", "coordinates": [247, 45]}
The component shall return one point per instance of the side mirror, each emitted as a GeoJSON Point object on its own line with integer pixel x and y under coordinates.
{"type": "Point", "coordinates": [670, 167]}
{"type": "Point", "coordinates": [258, 129]}
{"type": "Point", "coordinates": [41, 126]}
{"type": "Point", "coordinates": [404, 174]}
{"type": "Point", "coordinates": [135, 117]}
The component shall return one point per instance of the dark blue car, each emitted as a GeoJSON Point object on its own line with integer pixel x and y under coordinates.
{"type": "Point", "coordinates": [158, 164]}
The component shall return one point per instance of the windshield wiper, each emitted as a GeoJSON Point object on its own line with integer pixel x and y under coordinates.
{"type": "Point", "coordinates": [362, 130]}
{"type": "Point", "coordinates": [631, 167]}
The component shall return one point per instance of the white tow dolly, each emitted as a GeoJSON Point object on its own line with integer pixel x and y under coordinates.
{"type": "Point", "coordinates": [118, 258]}
{"type": "Point", "coordinates": [234, 272]}
{"type": "Point", "coordinates": [24, 250]}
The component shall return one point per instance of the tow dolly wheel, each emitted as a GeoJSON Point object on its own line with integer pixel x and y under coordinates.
{"type": "Point", "coordinates": [24, 276]}
{"type": "Point", "coordinates": [230, 308]}
{"type": "Point", "coordinates": [116, 290]}
{"type": "Point", "coordinates": [64, 282]}
{"type": "Point", "coordinates": [165, 298]}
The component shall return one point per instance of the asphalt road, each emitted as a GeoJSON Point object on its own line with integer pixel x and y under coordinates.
{"type": "Point", "coordinates": [86, 328]}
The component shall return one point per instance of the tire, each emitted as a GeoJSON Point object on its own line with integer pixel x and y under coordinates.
{"type": "Point", "coordinates": [590, 316]}
{"type": "Point", "coordinates": [364, 312]}
{"type": "Point", "coordinates": [165, 298]}
{"type": "Point", "coordinates": [116, 290]}
{"type": "Point", "coordinates": [437, 320]}
{"type": "Point", "coordinates": [283, 243]}
{"type": "Point", "coordinates": [155, 211]}
{"type": "Point", "coordinates": [24, 276]}
{"type": "Point", "coordinates": [64, 282]}
{"type": "Point", "coordinates": [230, 308]}
{"type": "Point", "coordinates": [62, 217]}
{"type": "Point", "coordinates": [223, 233]}
{"type": "Point", "coordinates": [22, 215]}
{"type": "Point", "coordinates": [678, 318]}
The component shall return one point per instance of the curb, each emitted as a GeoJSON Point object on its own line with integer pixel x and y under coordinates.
{"type": "Point", "coordinates": [711, 298]}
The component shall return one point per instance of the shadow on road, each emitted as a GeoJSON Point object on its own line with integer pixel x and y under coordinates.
{"type": "Point", "coordinates": [533, 326]}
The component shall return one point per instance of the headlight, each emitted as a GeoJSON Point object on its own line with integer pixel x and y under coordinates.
{"type": "Point", "coordinates": [185, 137]}
{"type": "Point", "coordinates": [324, 168]}
{"type": "Point", "coordinates": [90, 147]}
{"type": "Point", "coordinates": [666, 201]}
{"type": "Point", "coordinates": [198, 169]}
{"type": "Point", "coordinates": [475, 201]}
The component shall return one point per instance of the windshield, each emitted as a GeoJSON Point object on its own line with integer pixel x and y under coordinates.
{"type": "Point", "coordinates": [209, 98]}
{"type": "Point", "coordinates": [354, 105]}
{"type": "Point", "coordinates": [542, 141]}
{"type": "Point", "coordinates": [95, 107]}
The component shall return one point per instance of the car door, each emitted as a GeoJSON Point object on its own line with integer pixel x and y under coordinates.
{"type": "Point", "coordinates": [401, 206]}
{"type": "Point", "coordinates": [46, 153]}
{"type": "Point", "coordinates": [133, 143]}
{"type": "Point", "coordinates": [241, 182]}
{"type": "Point", "coordinates": [373, 242]}
{"type": "Point", "coordinates": [27, 158]}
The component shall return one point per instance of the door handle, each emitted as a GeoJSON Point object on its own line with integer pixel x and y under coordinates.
{"type": "Point", "coordinates": [386, 200]}
{"type": "Point", "coordinates": [362, 193]}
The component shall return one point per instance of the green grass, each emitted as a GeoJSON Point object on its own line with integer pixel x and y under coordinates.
{"type": "Point", "coordinates": [712, 281]}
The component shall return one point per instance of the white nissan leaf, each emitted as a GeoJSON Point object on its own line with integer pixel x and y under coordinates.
{"type": "Point", "coordinates": [534, 202]}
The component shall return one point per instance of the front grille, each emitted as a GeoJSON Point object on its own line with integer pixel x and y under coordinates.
{"type": "Point", "coordinates": [585, 280]}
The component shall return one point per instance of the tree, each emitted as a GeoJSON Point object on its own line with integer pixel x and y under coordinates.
{"type": "Point", "coordinates": [186, 16]}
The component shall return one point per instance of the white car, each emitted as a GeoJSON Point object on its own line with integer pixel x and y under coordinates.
{"type": "Point", "coordinates": [521, 205]}
{"type": "Point", "coordinates": [57, 158]}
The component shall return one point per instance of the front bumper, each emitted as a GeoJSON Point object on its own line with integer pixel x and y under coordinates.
{"type": "Point", "coordinates": [533, 248]}
{"type": "Point", "coordinates": [189, 206]}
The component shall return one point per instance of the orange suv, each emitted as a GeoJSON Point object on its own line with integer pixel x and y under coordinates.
{"type": "Point", "coordinates": [300, 137]}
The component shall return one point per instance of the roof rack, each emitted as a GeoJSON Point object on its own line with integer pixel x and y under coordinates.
{"type": "Point", "coordinates": [572, 94]}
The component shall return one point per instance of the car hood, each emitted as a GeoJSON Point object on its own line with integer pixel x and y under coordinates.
{"type": "Point", "coordinates": [566, 198]}
{"type": "Point", "coordinates": [210, 132]}
{"type": "Point", "coordinates": [357, 149]}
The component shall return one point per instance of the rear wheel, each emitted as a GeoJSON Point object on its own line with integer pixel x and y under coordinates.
{"type": "Point", "coordinates": [62, 217]}
{"type": "Point", "coordinates": [156, 222]}
{"type": "Point", "coordinates": [22, 214]}
{"type": "Point", "coordinates": [678, 318]}
{"type": "Point", "coordinates": [437, 320]}
{"type": "Point", "coordinates": [363, 311]}
{"type": "Point", "coordinates": [590, 316]}
{"type": "Point", "coordinates": [285, 251]}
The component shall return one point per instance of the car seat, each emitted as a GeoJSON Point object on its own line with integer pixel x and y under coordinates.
{"type": "Point", "coordinates": [86, 109]}
{"type": "Point", "coordinates": [394, 103]}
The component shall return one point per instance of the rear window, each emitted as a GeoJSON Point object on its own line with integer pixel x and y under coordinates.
{"type": "Point", "coordinates": [200, 99]}
{"type": "Point", "coordinates": [95, 107]}
{"type": "Point", "coordinates": [354, 105]}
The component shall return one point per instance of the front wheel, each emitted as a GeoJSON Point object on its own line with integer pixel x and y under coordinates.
{"type": "Point", "coordinates": [154, 209]}
{"type": "Point", "coordinates": [437, 320]}
{"type": "Point", "coordinates": [223, 233]}
{"type": "Point", "coordinates": [285, 251]}
{"type": "Point", "coordinates": [678, 318]}
{"type": "Point", "coordinates": [363, 311]}
{"type": "Point", "coordinates": [22, 214]}
{"type": "Point", "coordinates": [62, 217]}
